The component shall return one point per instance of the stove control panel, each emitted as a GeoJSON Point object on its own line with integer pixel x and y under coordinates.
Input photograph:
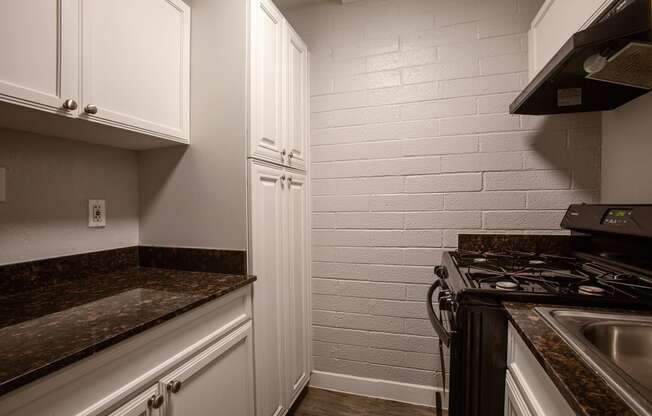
{"type": "Point", "coordinates": [618, 216]}
{"type": "Point", "coordinates": [632, 220]}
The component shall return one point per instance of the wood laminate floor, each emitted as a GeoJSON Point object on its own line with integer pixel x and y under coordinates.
{"type": "Point", "coordinates": [319, 402]}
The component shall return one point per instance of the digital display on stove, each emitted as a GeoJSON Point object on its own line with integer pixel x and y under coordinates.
{"type": "Point", "coordinates": [617, 216]}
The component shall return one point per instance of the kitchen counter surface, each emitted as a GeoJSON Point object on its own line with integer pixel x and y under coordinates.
{"type": "Point", "coordinates": [43, 330]}
{"type": "Point", "coordinates": [585, 390]}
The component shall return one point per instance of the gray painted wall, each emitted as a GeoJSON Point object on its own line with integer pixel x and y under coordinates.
{"type": "Point", "coordinates": [627, 153]}
{"type": "Point", "coordinates": [196, 196]}
{"type": "Point", "coordinates": [49, 182]}
{"type": "Point", "coordinates": [190, 196]}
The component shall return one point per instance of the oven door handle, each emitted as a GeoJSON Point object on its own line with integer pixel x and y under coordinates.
{"type": "Point", "coordinates": [442, 332]}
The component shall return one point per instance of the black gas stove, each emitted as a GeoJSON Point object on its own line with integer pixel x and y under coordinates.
{"type": "Point", "coordinates": [606, 262]}
{"type": "Point", "coordinates": [523, 273]}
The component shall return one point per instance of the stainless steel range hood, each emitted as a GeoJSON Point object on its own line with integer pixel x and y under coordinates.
{"type": "Point", "coordinates": [600, 68]}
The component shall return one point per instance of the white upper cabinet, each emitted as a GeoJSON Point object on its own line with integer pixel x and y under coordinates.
{"type": "Point", "coordinates": [133, 59]}
{"type": "Point", "coordinates": [267, 81]}
{"type": "Point", "coordinates": [297, 100]}
{"type": "Point", "coordinates": [555, 23]}
{"type": "Point", "coordinates": [120, 63]}
{"type": "Point", "coordinates": [279, 89]}
{"type": "Point", "coordinates": [38, 52]}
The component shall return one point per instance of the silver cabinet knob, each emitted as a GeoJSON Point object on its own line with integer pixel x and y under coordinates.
{"type": "Point", "coordinates": [90, 109]}
{"type": "Point", "coordinates": [291, 155]}
{"type": "Point", "coordinates": [174, 386]}
{"type": "Point", "coordinates": [70, 104]}
{"type": "Point", "coordinates": [156, 401]}
{"type": "Point", "coordinates": [283, 153]}
{"type": "Point", "coordinates": [282, 178]}
{"type": "Point", "coordinates": [289, 179]}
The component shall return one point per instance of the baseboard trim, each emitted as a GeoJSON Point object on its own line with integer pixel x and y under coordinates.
{"type": "Point", "coordinates": [382, 389]}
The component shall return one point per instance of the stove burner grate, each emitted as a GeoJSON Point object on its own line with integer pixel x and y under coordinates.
{"type": "Point", "coordinates": [545, 273]}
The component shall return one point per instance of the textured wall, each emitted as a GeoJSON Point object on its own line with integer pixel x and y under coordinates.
{"type": "Point", "coordinates": [196, 196]}
{"type": "Point", "coordinates": [412, 144]}
{"type": "Point", "coordinates": [627, 145]}
{"type": "Point", "coordinates": [49, 183]}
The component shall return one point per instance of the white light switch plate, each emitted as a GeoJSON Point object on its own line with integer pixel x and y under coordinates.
{"type": "Point", "coordinates": [3, 184]}
{"type": "Point", "coordinates": [96, 213]}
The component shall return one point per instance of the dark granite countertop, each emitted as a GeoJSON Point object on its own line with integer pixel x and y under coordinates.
{"type": "Point", "coordinates": [584, 389]}
{"type": "Point", "coordinates": [45, 329]}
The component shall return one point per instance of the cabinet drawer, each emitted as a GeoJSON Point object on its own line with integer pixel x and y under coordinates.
{"type": "Point", "coordinates": [539, 392]}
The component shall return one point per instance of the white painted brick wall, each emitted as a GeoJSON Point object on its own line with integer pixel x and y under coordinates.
{"type": "Point", "coordinates": [412, 144]}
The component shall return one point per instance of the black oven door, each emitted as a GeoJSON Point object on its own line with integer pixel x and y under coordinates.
{"type": "Point", "coordinates": [441, 298]}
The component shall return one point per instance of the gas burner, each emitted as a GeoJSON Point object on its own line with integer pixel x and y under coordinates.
{"type": "Point", "coordinates": [591, 290]}
{"type": "Point", "coordinates": [620, 277]}
{"type": "Point", "coordinates": [558, 258]}
{"type": "Point", "coordinates": [525, 272]}
{"type": "Point", "coordinates": [507, 285]}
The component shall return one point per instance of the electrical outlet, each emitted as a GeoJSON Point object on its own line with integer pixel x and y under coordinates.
{"type": "Point", "coordinates": [96, 213]}
{"type": "Point", "coordinates": [3, 184]}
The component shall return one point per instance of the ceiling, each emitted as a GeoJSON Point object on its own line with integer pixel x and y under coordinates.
{"type": "Point", "coordinates": [285, 4]}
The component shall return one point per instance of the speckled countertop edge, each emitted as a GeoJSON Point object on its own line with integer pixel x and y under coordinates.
{"type": "Point", "coordinates": [586, 391]}
{"type": "Point", "coordinates": [158, 278]}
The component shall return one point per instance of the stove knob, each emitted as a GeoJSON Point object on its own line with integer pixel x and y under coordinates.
{"type": "Point", "coordinates": [441, 272]}
{"type": "Point", "coordinates": [445, 300]}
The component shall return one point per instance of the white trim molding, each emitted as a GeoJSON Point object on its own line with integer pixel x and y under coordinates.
{"type": "Point", "coordinates": [382, 389]}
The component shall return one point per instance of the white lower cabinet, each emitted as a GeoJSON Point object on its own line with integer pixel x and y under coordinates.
{"type": "Point", "coordinates": [528, 389]}
{"type": "Point", "coordinates": [216, 381]}
{"type": "Point", "coordinates": [267, 185]}
{"type": "Point", "coordinates": [198, 364]}
{"type": "Point", "coordinates": [296, 286]}
{"type": "Point", "coordinates": [279, 257]}
{"type": "Point", "coordinates": [514, 403]}
{"type": "Point", "coordinates": [213, 382]}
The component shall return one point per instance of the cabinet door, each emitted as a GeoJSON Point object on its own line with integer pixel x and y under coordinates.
{"type": "Point", "coordinates": [514, 403]}
{"type": "Point", "coordinates": [297, 331]}
{"type": "Point", "coordinates": [135, 65]}
{"type": "Point", "coordinates": [38, 45]}
{"type": "Point", "coordinates": [218, 381]}
{"type": "Point", "coordinates": [555, 23]}
{"type": "Point", "coordinates": [140, 406]}
{"type": "Point", "coordinates": [266, 132]}
{"type": "Point", "coordinates": [266, 204]}
{"type": "Point", "coordinates": [297, 100]}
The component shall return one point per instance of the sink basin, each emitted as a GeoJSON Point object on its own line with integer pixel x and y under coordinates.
{"type": "Point", "coordinates": [627, 345]}
{"type": "Point", "coordinates": [618, 346]}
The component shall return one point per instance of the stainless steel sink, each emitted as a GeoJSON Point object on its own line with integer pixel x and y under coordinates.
{"type": "Point", "coordinates": [618, 346]}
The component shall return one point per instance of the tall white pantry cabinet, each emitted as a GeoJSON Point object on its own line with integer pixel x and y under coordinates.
{"type": "Point", "coordinates": [279, 244]}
